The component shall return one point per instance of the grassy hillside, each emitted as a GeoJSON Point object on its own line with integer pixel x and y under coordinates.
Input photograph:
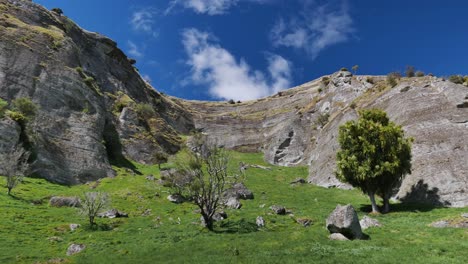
{"type": "Point", "coordinates": [31, 231]}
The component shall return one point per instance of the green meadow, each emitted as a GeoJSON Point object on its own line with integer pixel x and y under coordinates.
{"type": "Point", "coordinates": [158, 231]}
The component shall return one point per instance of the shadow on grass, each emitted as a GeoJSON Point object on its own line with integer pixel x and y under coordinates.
{"type": "Point", "coordinates": [419, 199]}
{"type": "Point", "coordinates": [241, 226]}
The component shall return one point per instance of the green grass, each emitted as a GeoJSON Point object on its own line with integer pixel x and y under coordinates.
{"type": "Point", "coordinates": [404, 238]}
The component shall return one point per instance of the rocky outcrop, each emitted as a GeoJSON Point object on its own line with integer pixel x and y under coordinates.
{"type": "Point", "coordinates": [344, 220]}
{"type": "Point", "coordinates": [81, 82]}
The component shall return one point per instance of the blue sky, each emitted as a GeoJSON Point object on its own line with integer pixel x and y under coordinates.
{"type": "Point", "coordinates": [246, 49]}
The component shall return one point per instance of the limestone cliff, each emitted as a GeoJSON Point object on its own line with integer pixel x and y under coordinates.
{"type": "Point", "coordinates": [86, 89]}
{"type": "Point", "coordinates": [90, 116]}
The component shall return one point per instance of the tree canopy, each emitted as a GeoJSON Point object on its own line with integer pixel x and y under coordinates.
{"type": "Point", "coordinates": [374, 155]}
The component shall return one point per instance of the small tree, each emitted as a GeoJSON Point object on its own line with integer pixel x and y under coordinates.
{"type": "Point", "coordinates": [92, 204]}
{"type": "Point", "coordinates": [57, 10]}
{"type": "Point", "coordinates": [374, 155]}
{"type": "Point", "coordinates": [410, 71]}
{"type": "Point", "coordinates": [355, 68]}
{"type": "Point", "coordinates": [159, 158]}
{"type": "Point", "coordinates": [206, 179]}
{"type": "Point", "coordinates": [419, 74]}
{"type": "Point", "coordinates": [14, 164]}
{"type": "Point", "coordinates": [392, 78]}
{"type": "Point", "coordinates": [24, 106]}
{"type": "Point", "coordinates": [145, 111]}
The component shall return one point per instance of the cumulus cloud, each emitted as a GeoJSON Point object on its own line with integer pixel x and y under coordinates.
{"type": "Point", "coordinates": [134, 50]}
{"type": "Point", "coordinates": [228, 78]}
{"type": "Point", "coordinates": [143, 20]}
{"type": "Point", "coordinates": [314, 31]}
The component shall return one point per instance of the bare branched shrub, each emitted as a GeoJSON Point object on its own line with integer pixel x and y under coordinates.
{"type": "Point", "coordinates": [204, 178]}
{"type": "Point", "coordinates": [14, 165]}
{"type": "Point", "coordinates": [92, 204]}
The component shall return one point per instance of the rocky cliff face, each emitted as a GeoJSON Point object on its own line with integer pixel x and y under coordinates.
{"type": "Point", "coordinates": [90, 116]}
{"type": "Point", "coordinates": [300, 126]}
{"type": "Point", "coordinates": [86, 90]}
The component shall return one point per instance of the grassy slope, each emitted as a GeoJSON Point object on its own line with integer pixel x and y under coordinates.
{"type": "Point", "coordinates": [405, 237]}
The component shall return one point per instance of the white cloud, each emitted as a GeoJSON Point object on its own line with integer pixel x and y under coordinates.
{"type": "Point", "coordinates": [143, 20]}
{"type": "Point", "coordinates": [315, 30]}
{"type": "Point", "coordinates": [134, 50]}
{"type": "Point", "coordinates": [228, 78]}
{"type": "Point", "coordinates": [209, 7]}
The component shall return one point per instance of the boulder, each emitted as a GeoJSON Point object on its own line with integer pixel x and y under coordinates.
{"type": "Point", "coordinates": [239, 191]}
{"type": "Point", "coordinates": [344, 220]}
{"type": "Point", "coordinates": [278, 209]}
{"type": "Point", "coordinates": [367, 222]}
{"type": "Point", "coordinates": [464, 215]}
{"type": "Point", "coordinates": [176, 198]}
{"type": "Point", "coordinates": [233, 203]}
{"type": "Point", "coordinates": [113, 213]}
{"type": "Point", "coordinates": [260, 221]}
{"type": "Point", "coordinates": [440, 224]}
{"type": "Point", "coordinates": [73, 227]}
{"type": "Point", "coordinates": [218, 216]}
{"type": "Point", "coordinates": [59, 201]}
{"type": "Point", "coordinates": [337, 236]}
{"type": "Point", "coordinates": [75, 248]}
{"type": "Point", "coordinates": [150, 178]}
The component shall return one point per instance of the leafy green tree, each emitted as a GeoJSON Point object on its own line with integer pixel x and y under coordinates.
{"type": "Point", "coordinates": [25, 106]}
{"type": "Point", "coordinates": [374, 155]}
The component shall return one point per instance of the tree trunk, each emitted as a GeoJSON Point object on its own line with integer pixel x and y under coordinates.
{"type": "Point", "coordinates": [9, 190]}
{"type": "Point", "coordinates": [91, 221]}
{"type": "Point", "coordinates": [208, 222]}
{"type": "Point", "coordinates": [159, 166]}
{"type": "Point", "coordinates": [386, 204]}
{"type": "Point", "coordinates": [375, 208]}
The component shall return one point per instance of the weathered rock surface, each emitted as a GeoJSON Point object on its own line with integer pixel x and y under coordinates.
{"type": "Point", "coordinates": [79, 80]}
{"type": "Point", "coordinates": [75, 249]}
{"type": "Point", "coordinates": [59, 201]}
{"type": "Point", "coordinates": [113, 213]}
{"type": "Point", "coordinates": [239, 191]}
{"type": "Point", "coordinates": [176, 198]}
{"type": "Point", "coordinates": [278, 209]}
{"type": "Point", "coordinates": [344, 220]}
{"type": "Point", "coordinates": [367, 222]}
{"type": "Point", "coordinates": [337, 236]}
{"type": "Point", "coordinates": [233, 203]}
{"type": "Point", "coordinates": [305, 222]}
{"type": "Point", "coordinates": [260, 221]}
{"type": "Point", "coordinates": [73, 227]}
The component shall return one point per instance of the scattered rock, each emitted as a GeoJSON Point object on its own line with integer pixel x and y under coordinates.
{"type": "Point", "coordinates": [240, 192]}
{"type": "Point", "coordinates": [278, 209]}
{"type": "Point", "coordinates": [147, 212]}
{"type": "Point", "coordinates": [113, 213]}
{"type": "Point", "coordinates": [441, 224]}
{"type": "Point", "coordinates": [59, 201]}
{"type": "Point", "coordinates": [55, 239]}
{"type": "Point", "coordinates": [75, 248]}
{"type": "Point", "coordinates": [259, 167]}
{"type": "Point", "coordinates": [220, 216]}
{"type": "Point", "coordinates": [176, 198]}
{"type": "Point", "coordinates": [233, 203]}
{"type": "Point", "coordinates": [338, 236]}
{"type": "Point", "coordinates": [367, 222]}
{"type": "Point", "coordinates": [344, 220]}
{"type": "Point", "coordinates": [260, 221]}
{"type": "Point", "coordinates": [166, 173]}
{"type": "Point", "coordinates": [304, 222]}
{"type": "Point", "coordinates": [150, 178]}
{"type": "Point", "coordinates": [464, 215]}
{"type": "Point", "coordinates": [298, 181]}
{"type": "Point", "coordinates": [73, 227]}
